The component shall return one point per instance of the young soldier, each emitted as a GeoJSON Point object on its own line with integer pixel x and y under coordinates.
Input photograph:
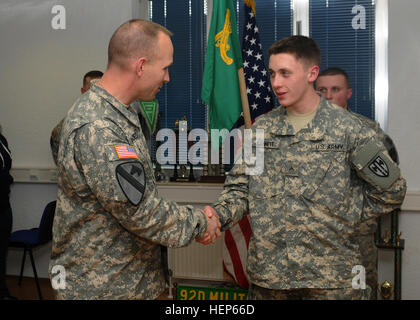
{"type": "Point", "coordinates": [324, 173]}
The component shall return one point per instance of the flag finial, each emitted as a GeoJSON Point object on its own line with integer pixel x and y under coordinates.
{"type": "Point", "coordinates": [251, 4]}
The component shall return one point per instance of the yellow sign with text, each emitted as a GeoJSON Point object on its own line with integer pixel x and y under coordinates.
{"type": "Point", "coordinates": [206, 293]}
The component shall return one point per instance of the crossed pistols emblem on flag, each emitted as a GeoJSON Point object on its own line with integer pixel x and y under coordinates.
{"type": "Point", "coordinates": [222, 38]}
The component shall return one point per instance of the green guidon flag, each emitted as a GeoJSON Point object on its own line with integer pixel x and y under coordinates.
{"type": "Point", "coordinates": [149, 110]}
{"type": "Point", "coordinates": [220, 89]}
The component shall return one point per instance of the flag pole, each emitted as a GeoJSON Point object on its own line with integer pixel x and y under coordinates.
{"type": "Point", "coordinates": [244, 98]}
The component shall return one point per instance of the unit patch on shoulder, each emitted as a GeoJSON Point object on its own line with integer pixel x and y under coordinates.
{"type": "Point", "coordinates": [125, 151]}
{"type": "Point", "coordinates": [131, 178]}
{"type": "Point", "coordinates": [379, 167]}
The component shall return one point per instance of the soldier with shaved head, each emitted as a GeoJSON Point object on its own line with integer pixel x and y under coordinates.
{"type": "Point", "coordinates": [334, 84]}
{"type": "Point", "coordinates": [110, 221]}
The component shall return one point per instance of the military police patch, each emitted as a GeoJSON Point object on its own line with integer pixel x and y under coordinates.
{"type": "Point", "coordinates": [379, 167]}
{"type": "Point", "coordinates": [131, 178]}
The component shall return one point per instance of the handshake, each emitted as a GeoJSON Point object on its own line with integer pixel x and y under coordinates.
{"type": "Point", "coordinates": [213, 227]}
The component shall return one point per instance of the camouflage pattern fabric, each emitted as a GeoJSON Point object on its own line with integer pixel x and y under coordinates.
{"type": "Point", "coordinates": [110, 247]}
{"type": "Point", "coordinates": [56, 132]}
{"type": "Point", "coordinates": [368, 249]}
{"type": "Point", "coordinates": [55, 140]}
{"type": "Point", "coordinates": [369, 256]}
{"type": "Point", "coordinates": [307, 205]}
{"type": "Point", "coordinates": [259, 293]}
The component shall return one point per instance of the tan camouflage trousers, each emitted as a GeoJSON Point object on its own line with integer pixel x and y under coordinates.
{"type": "Point", "coordinates": [259, 293]}
{"type": "Point", "coordinates": [369, 254]}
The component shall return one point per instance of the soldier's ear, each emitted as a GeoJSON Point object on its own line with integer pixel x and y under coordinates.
{"type": "Point", "coordinates": [313, 72]}
{"type": "Point", "coordinates": [349, 93]}
{"type": "Point", "coordinates": [140, 66]}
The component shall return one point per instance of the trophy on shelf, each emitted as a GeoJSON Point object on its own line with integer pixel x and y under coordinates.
{"type": "Point", "coordinates": [386, 290]}
{"type": "Point", "coordinates": [213, 173]}
{"type": "Point", "coordinates": [398, 239]}
{"type": "Point", "coordinates": [182, 174]}
{"type": "Point", "coordinates": [386, 237]}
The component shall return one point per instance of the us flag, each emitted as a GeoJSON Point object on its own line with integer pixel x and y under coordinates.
{"type": "Point", "coordinates": [125, 151]}
{"type": "Point", "coordinates": [260, 98]}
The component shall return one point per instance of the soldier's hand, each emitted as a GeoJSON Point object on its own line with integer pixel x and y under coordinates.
{"type": "Point", "coordinates": [213, 227]}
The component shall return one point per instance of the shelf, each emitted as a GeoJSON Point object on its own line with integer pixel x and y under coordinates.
{"type": "Point", "coordinates": [390, 245]}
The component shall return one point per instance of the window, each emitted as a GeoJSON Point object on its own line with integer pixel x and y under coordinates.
{"type": "Point", "coordinates": [345, 32]}
{"type": "Point", "coordinates": [274, 19]}
{"type": "Point", "coordinates": [181, 96]}
{"type": "Point", "coordinates": [188, 20]}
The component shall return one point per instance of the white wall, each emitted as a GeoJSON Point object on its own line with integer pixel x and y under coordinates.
{"type": "Point", "coordinates": [42, 68]}
{"type": "Point", "coordinates": [60, 83]}
{"type": "Point", "coordinates": [41, 71]}
{"type": "Point", "coordinates": [404, 126]}
{"type": "Point", "coordinates": [404, 93]}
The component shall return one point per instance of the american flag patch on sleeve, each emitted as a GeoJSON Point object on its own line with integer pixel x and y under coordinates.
{"type": "Point", "coordinates": [126, 151]}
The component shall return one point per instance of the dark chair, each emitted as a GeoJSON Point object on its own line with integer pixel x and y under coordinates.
{"type": "Point", "coordinates": [33, 238]}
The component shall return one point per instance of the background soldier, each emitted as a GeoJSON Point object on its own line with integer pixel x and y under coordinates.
{"type": "Point", "coordinates": [334, 84]}
{"type": "Point", "coordinates": [55, 134]}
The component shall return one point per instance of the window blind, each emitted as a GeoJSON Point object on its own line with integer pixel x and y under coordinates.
{"type": "Point", "coordinates": [274, 19]}
{"type": "Point", "coordinates": [345, 32]}
{"type": "Point", "coordinates": [187, 20]}
{"type": "Point", "coordinates": [181, 96]}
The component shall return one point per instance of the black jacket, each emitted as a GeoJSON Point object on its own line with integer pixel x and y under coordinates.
{"type": "Point", "coordinates": [5, 178]}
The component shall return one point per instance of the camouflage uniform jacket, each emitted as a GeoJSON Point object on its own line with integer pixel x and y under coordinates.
{"type": "Point", "coordinates": [306, 205]}
{"type": "Point", "coordinates": [56, 132]}
{"type": "Point", "coordinates": [55, 140]}
{"type": "Point", "coordinates": [109, 246]}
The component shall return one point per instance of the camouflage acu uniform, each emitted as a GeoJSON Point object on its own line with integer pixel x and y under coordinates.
{"type": "Point", "coordinates": [108, 244]}
{"type": "Point", "coordinates": [367, 229]}
{"type": "Point", "coordinates": [55, 136]}
{"type": "Point", "coordinates": [306, 206]}
{"type": "Point", "coordinates": [55, 140]}
{"type": "Point", "coordinates": [259, 293]}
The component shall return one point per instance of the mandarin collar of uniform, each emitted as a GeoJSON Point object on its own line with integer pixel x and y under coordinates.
{"type": "Point", "coordinates": [319, 123]}
{"type": "Point", "coordinates": [285, 128]}
{"type": "Point", "coordinates": [126, 110]}
{"type": "Point", "coordinates": [317, 126]}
